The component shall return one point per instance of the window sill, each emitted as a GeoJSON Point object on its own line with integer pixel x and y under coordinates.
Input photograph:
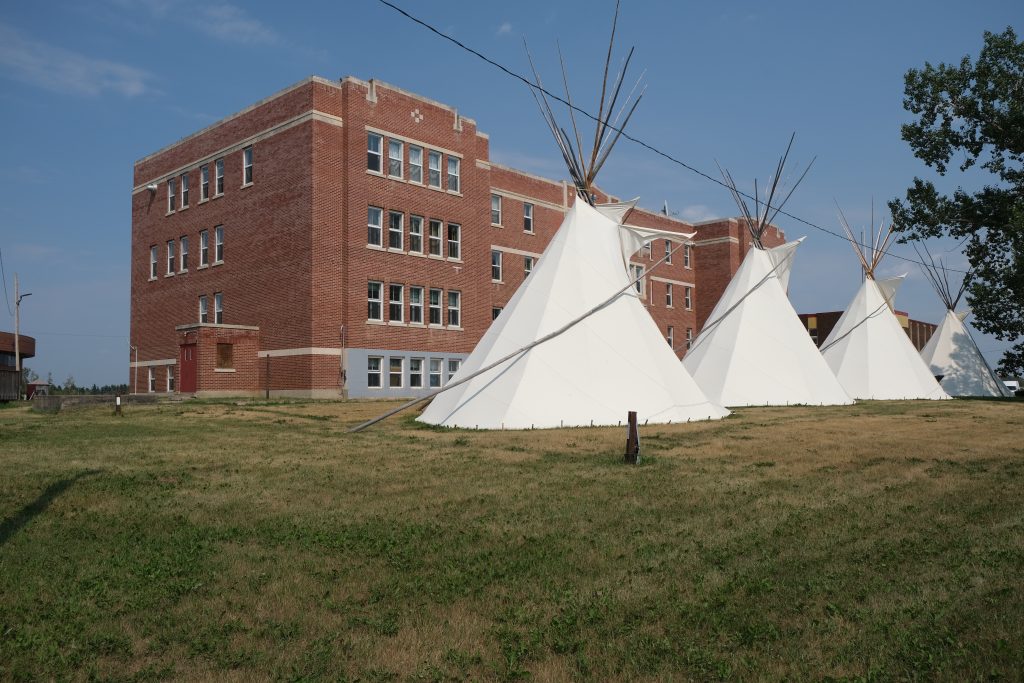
{"type": "Point", "coordinates": [218, 263]}
{"type": "Point", "coordinates": [454, 193]}
{"type": "Point", "coordinates": [396, 250]}
{"type": "Point", "coordinates": [497, 282]}
{"type": "Point", "coordinates": [218, 196]}
{"type": "Point", "coordinates": [203, 201]}
{"type": "Point", "coordinates": [396, 177]}
{"type": "Point", "coordinates": [455, 328]}
{"type": "Point", "coordinates": [419, 254]}
{"type": "Point", "coordinates": [205, 265]}
{"type": "Point", "coordinates": [169, 213]}
{"type": "Point", "coordinates": [224, 370]}
{"type": "Point", "coordinates": [153, 279]}
{"type": "Point", "coordinates": [374, 322]}
{"type": "Point", "coordinates": [379, 174]}
{"type": "Point", "coordinates": [454, 260]}
{"type": "Point", "coordinates": [168, 274]}
{"type": "Point", "coordinates": [183, 271]}
{"type": "Point", "coordinates": [245, 186]}
{"type": "Point", "coordinates": [396, 323]}
{"type": "Point", "coordinates": [184, 208]}
{"type": "Point", "coordinates": [497, 225]}
{"type": "Point", "coordinates": [375, 247]}
{"type": "Point", "coordinates": [420, 325]}
{"type": "Point", "coordinates": [529, 232]}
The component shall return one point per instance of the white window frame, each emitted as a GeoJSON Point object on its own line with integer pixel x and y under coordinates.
{"type": "Point", "coordinates": [434, 171]}
{"type": "Point", "coordinates": [495, 212]}
{"type": "Point", "coordinates": [434, 373]}
{"type": "Point", "coordinates": [528, 263]}
{"type": "Point", "coordinates": [415, 234]}
{"type": "Point", "coordinates": [396, 304]}
{"type": "Point", "coordinates": [151, 383]}
{"type": "Point", "coordinates": [415, 373]}
{"type": "Point", "coordinates": [204, 182]}
{"type": "Point", "coordinates": [454, 308]}
{"type": "Point", "coordinates": [152, 262]}
{"type": "Point", "coordinates": [528, 217]}
{"type": "Point", "coordinates": [218, 308]}
{"type": "Point", "coordinates": [171, 257]}
{"type": "Point", "coordinates": [183, 254]}
{"type": "Point", "coordinates": [689, 337]}
{"type": "Point", "coordinates": [218, 244]}
{"type": "Point", "coordinates": [671, 337]}
{"type": "Point", "coordinates": [638, 275]}
{"type": "Point", "coordinates": [454, 170]}
{"type": "Point", "coordinates": [668, 295]}
{"type": "Point", "coordinates": [454, 365]}
{"type": "Point", "coordinates": [218, 177]}
{"type": "Point", "coordinates": [435, 311]}
{"type": "Point", "coordinates": [688, 298]}
{"type": "Point", "coordinates": [396, 238]}
{"type": "Point", "coordinates": [372, 300]}
{"type": "Point", "coordinates": [247, 166]}
{"type": "Point", "coordinates": [170, 379]}
{"type": "Point", "coordinates": [183, 184]}
{"type": "Point", "coordinates": [668, 252]}
{"type": "Point", "coordinates": [395, 162]}
{"type": "Point", "coordinates": [375, 228]}
{"type": "Point", "coordinates": [454, 243]}
{"type": "Point", "coordinates": [435, 238]}
{"type": "Point", "coordinates": [204, 248]}
{"type": "Point", "coordinates": [204, 309]}
{"type": "Point", "coordinates": [378, 372]}
{"type": "Point", "coordinates": [495, 265]}
{"type": "Point", "coordinates": [686, 256]}
{"type": "Point", "coordinates": [415, 305]}
{"type": "Point", "coordinates": [377, 153]}
{"type": "Point", "coordinates": [415, 164]}
{"type": "Point", "coordinates": [393, 363]}
{"type": "Point", "coordinates": [171, 195]}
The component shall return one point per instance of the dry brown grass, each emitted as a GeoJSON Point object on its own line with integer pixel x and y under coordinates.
{"type": "Point", "coordinates": [262, 541]}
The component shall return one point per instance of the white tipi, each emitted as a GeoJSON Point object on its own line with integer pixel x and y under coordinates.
{"type": "Point", "coordinates": [753, 350]}
{"type": "Point", "coordinates": [575, 346]}
{"type": "Point", "coordinates": [867, 349]}
{"type": "Point", "coordinates": [951, 353]}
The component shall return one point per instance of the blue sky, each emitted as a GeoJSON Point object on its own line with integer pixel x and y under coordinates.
{"type": "Point", "coordinates": [86, 88]}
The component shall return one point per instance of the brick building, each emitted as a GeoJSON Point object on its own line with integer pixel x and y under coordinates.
{"type": "Point", "coordinates": [348, 238]}
{"type": "Point", "coordinates": [819, 326]}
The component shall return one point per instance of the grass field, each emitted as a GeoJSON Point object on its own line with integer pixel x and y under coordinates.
{"type": "Point", "coordinates": [261, 541]}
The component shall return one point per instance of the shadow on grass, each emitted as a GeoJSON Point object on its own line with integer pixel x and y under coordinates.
{"type": "Point", "coordinates": [10, 526]}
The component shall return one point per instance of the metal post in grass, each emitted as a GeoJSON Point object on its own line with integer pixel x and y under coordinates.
{"type": "Point", "coordinates": [632, 440]}
{"type": "Point", "coordinates": [117, 406]}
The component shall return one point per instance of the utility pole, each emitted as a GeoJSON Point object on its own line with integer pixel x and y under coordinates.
{"type": "Point", "coordinates": [17, 323]}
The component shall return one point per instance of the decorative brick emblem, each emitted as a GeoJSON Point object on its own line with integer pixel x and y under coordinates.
{"type": "Point", "coordinates": [416, 115]}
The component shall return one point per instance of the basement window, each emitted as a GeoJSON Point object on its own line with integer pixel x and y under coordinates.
{"type": "Point", "coordinates": [225, 356]}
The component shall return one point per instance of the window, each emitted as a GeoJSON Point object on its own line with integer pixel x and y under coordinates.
{"type": "Point", "coordinates": [454, 240]}
{"type": "Point", "coordinates": [668, 294]}
{"type": "Point", "coordinates": [647, 250]}
{"type": "Point", "coordinates": [152, 379]}
{"type": "Point", "coordinates": [688, 297]}
{"type": "Point", "coordinates": [527, 216]}
{"type": "Point", "coordinates": [396, 229]}
{"type": "Point", "coordinates": [453, 366]}
{"type": "Point", "coordinates": [415, 373]}
{"type": "Point", "coordinates": [671, 337]}
{"type": "Point", "coordinates": [247, 166]}
{"type": "Point", "coordinates": [434, 168]}
{"type": "Point", "coordinates": [373, 378]}
{"type": "Point", "coordinates": [686, 255]}
{"type": "Point", "coordinates": [170, 378]}
{"type": "Point", "coordinates": [204, 309]}
{"type": "Point", "coordinates": [495, 209]}
{"type": "Point", "coordinates": [395, 372]}
{"type": "Point", "coordinates": [416, 234]}
{"type": "Point", "coordinates": [374, 302]}
{"type": "Point", "coordinates": [218, 188]}
{"type": "Point", "coordinates": [218, 308]}
{"type": "Point", "coordinates": [689, 337]}
{"type": "Point", "coordinates": [528, 262]}
{"type": "Point", "coordinates": [668, 252]}
{"type": "Point", "coordinates": [152, 263]}
{"type": "Point", "coordinates": [435, 306]}
{"type": "Point", "coordinates": [218, 244]}
{"type": "Point", "coordinates": [495, 312]}
{"type": "Point", "coordinates": [394, 158]}
{"type": "Point", "coordinates": [373, 152]}
{"type": "Point", "coordinates": [434, 375]}
{"type": "Point", "coordinates": [170, 257]}
{"type": "Point", "coordinates": [454, 312]}
{"type": "Point", "coordinates": [453, 174]}
{"type": "Point", "coordinates": [374, 218]}
{"type": "Point", "coordinates": [396, 306]}
{"type": "Point", "coordinates": [225, 355]}
{"type": "Point", "coordinates": [184, 254]}
{"type": "Point", "coordinates": [204, 248]}
{"type": "Point", "coordinates": [204, 182]}
{"type": "Point", "coordinates": [415, 164]}
{"type": "Point", "coordinates": [184, 190]}
{"type": "Point", "coordinates": [171, 195]}
{"type": "Point", "coordinates": [416, 305]}
{"type": "Point", "coordinates": [638, 275]}
{"type": "Point", "coordinates": [435, 238]}
{"type": "Point", "coordinates": [495, 265]}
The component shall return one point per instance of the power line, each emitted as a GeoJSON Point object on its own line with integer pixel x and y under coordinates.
{"type": "Point", "coordinates": [7, 298]}
{"type": "Point", "coordinates": [645, 145]}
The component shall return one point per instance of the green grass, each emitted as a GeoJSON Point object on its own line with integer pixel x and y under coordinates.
{"type": "Point", "coordinates": [211, 540]}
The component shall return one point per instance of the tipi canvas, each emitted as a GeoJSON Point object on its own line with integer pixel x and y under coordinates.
{"type": "Point", "coordinates": [610, 363]}
{"type": "Point", "coordinates": [754, 350]}
{"type": "Point", "coordinates": [952, 354]}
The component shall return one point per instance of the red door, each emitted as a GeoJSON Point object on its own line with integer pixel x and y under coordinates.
{"type": "Point", "coordinates": [188, 368]}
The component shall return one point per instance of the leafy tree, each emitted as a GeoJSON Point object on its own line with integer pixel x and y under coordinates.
{"type": "Point", "coordinates": [972, 114]}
